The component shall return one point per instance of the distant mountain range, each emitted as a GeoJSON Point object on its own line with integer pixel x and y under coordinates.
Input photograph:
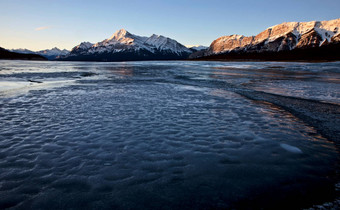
{"type": "Point", "coordinates": [124, 46]}
{"type": "Point", "coordinates": [50, 54]}
{"type": "Point", "coordinates": [196, 47]}
{"type": "Point", "coordinates": [5, 54]}
{"type": "Point", "coordinates": [315, 40]}
{"type": "Point", "coordinates": [286, 41]}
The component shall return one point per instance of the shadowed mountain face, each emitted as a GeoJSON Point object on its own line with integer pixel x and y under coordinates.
{"type": "Point", "coordinates": [5, 54]}
{"type": "Point", "coordinates": [50, 54]}
{"type": "Point", "coordinates": [124, 46]}
{"type": "Point", "coordinates": [277, 40]}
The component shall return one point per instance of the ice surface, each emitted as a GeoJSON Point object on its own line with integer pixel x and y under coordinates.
{"type": "Point", "coordinates": [158, 134]}
{"type": "Point", "coordinates": [317, 81]}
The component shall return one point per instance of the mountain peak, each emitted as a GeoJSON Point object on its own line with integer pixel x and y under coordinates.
{"type": "Point", "coordinates": [56, 48]}
{"type": "Point", "coordinates": [82, 46]}
{"type": "Point", "coordinates": [122, 31]}
{"type": "Point", "coordinates": [120, 34]}
{"type": "Point", "coordinates": [87, 44]}
{"type": "Point", "coordinates": [123, 44]}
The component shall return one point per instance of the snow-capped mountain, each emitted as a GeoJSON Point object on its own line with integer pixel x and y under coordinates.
{"type": "Point", "coordinates": [197, 47]}
{"type": "Point", "coordinates": [50, 54]}
{"type": "Point", "coordinates": [53, 53]}
{"type": "Point", "coordinates": [283, 37]}
{"type": "Point", "coordinates": [123, 45]}
{"type": "Point", "coordinates": [81, 48]}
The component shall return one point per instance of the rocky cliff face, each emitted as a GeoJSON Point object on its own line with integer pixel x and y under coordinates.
{"type": "Point", "coordinates": [282, 37]}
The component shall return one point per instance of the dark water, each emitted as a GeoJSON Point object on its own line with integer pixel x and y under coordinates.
{"type": "Point", "coordinates": [162, 135]}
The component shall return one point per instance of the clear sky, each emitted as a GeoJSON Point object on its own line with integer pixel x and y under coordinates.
{"type": "Point", "coordinates": [42, 24]}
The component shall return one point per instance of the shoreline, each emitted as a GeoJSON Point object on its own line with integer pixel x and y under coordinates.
{"type": "Point", "coordinates": [324, 117]}
{"type": "Point", "coordinates": [193, 60]}
{"type": "Point", "coordinates": [265, 60]}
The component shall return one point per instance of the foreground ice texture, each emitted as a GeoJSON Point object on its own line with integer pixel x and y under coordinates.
{"type": "Point", "coordinates": [161, 135]}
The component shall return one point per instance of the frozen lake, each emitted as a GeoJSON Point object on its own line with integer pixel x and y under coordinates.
{"type": "Point", "coordinates": [162, 135]}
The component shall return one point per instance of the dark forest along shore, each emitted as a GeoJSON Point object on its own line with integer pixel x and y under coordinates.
{"type": "Point", "coordinates": [166, 135]}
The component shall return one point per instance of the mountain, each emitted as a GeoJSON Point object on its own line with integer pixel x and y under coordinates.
{"type": "Point", "coordinates": [50, 54]}
{"type": "Point", "coordinates": [5, 54]}
{"type": "Point", "coordinates": [54, 53]}
{"type": "Point", "coordinates": [198, 51]}
{"type": "Point", "coordinates": [23, 51]}
{"type": "Point", "coordinates": [124, 46]}
{"type": "Point", "coordinates": [82, 48]}
{"type": "Point", "coordinates": [197, 47]}
{"type": "Point", "coordinates": [292, 40]}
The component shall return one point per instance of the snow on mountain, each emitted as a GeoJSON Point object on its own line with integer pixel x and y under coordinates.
{"type": "Point", "coordinates": [82, 48]}
{"type": "Point", "coordinates": [84, 45]}
{"type": "Point", "coordinates": [285, 36]}
{"type": "Point", "coordinates": [197, 47]}
{"type": "Point", "coordinates": [24, 51]}
{"type": "Point", "coordinates": [120, 40]}
{"type": "Point", "coordinates": [123, 40]}
{"type": "Point", "coordinates": [50, 54]}
{"type": "Point", "coordinates": [124, 37]}
{"type": "Point", "coordinates": [123, 45]}
{"type": "Point", "coordinates": [53, 53]}
{"type": "Point", "coordinates": [165, 43]}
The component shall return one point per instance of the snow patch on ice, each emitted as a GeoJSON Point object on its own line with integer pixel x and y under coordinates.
{"type": "Point", "coordinates": [14, 88]}
{"type": "Point", "coordinates": [291, 149]}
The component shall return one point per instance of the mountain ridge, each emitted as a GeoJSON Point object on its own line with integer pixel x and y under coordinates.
{"type": "Point", "coordinates": [286, 36]}
{"type": "Point", "coordinates": [197, 47]}
{"type": "Point", "coordinates": [8, 55]}
{"type": "Point", "coordinates": [50, 54]}
{"type": "Point", "coordinates": [123, 45]}
{"type": "Point", "coordinates": [288, 39]}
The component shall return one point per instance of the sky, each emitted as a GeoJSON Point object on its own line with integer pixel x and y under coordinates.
{"type": "Point", "coordinates": [44, 24]}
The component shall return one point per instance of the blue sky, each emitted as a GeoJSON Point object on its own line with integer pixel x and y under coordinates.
{"type": "Point", "coordinates": [42, 24]}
